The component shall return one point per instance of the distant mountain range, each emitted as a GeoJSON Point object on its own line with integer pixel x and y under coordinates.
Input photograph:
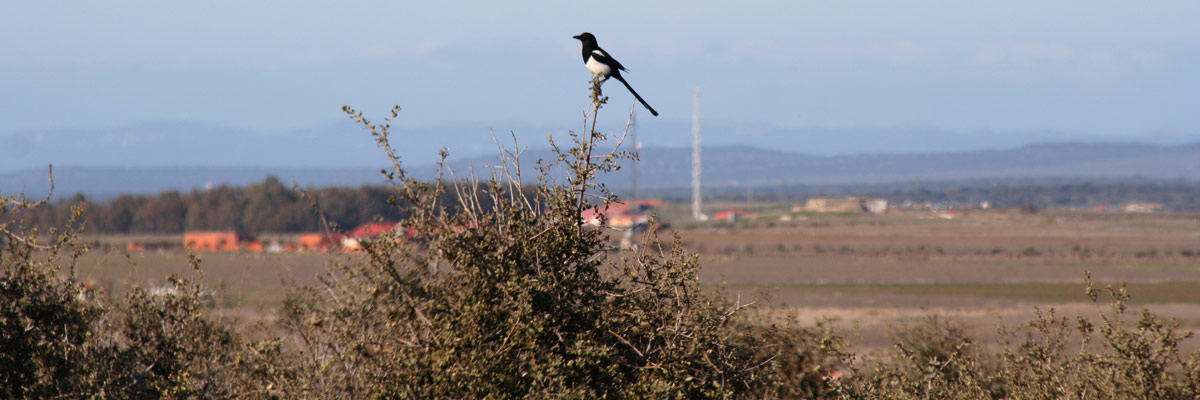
{"type": "Point", "coordinates": [344, 144]}
{"type": "Point", "coordinates": [662, 167]}
{"type": "Point", "coordinates": [741, 166]}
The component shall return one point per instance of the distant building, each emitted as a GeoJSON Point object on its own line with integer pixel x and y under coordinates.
{"type": "Point", "coordinates": [849, 204]}
{"type": "Point", "coordinates": [1143, 207]}
{"type": "Point", "coordinates": [221, 241]}
{"type": "Point", "coordinates": [369, 229]}
{"type": "Point", "coordinates": [623, 220]}
{"type": "Point", "coordinates": [353, 239]}
{"type": "Point", "coordinates": [319, 242]}
{"type": "Point", "coordinates": [620, 215]}
{"type": "Point", "coordinates": [276, 247]}
{"type": "Point", "coordinates": [876, 206]}
{"type": "Point", "coordinates": [732, 215]}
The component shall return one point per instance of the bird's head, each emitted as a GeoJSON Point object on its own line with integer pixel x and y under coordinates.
{"type": "Point", "coordinates": [585, 37]}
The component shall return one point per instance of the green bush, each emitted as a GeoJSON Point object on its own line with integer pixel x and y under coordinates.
{"type": "Point", "coordinates": [511, 296]}
{"type": "Point", "coordinates": [56, 341]}
{"type": "Point", "coordinates": [45, 331]}
{"type": "Point", "coordinates": [1115, 359]}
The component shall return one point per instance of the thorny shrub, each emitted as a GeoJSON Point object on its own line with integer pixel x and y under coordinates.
{"type": "Point", "coordinates": [1050, 357]}
{"type": "Point", "coordinates": [59, 341]}
{"type": "Point", "coordinates": [512, 296]}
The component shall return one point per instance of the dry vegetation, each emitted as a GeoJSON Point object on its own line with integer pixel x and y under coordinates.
{"type": "Point", "coordinates": [987, 268]}
{"type": "Point", "coordinates": [869, 272]}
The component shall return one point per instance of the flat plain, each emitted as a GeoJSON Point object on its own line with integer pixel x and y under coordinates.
{"type": "Point", "coordinates": [868, 273]}
{"type": "Point", "coordinates": [986, 268]}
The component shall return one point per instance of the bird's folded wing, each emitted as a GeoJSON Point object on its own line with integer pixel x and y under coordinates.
{"type": "Point", "coordinates": [603, 57]}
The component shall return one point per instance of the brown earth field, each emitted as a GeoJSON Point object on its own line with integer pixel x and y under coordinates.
{"type": "Point", "coordinates": [869, 273]}
{"type": "Point", "coordinates": [986, 268]}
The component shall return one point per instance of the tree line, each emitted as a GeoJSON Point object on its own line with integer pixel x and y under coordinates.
{"type": "Point", "coordinates": [1177, 196]}
{"type": "Point", "coordinates": [272, 206]}
{"type": "Point", "coordinates": [268, 206]}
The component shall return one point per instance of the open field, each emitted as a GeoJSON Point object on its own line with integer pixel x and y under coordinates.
{"type": "Point", "coordinates": [986, 268]}
{"type": "Point", "coordinates": [250, 286]}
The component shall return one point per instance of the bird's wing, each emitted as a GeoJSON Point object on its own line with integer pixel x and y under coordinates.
{"type": "Point", "coordinates": [603, 57]}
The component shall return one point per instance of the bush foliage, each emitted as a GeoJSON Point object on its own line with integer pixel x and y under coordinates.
{"type": "Point", "coordinates": [511, 296]}
{"type": "Point", "coordinates": [1050, 357]}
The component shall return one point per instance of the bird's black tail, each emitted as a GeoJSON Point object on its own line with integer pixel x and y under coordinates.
{"type": "Point", "coordinates": [635, 95]}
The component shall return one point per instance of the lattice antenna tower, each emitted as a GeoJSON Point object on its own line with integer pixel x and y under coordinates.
{"type": "Point", "coordinates": [696, 214]}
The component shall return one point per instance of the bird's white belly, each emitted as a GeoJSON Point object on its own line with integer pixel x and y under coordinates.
{"type": "Point", "coordinates": [598, 68]}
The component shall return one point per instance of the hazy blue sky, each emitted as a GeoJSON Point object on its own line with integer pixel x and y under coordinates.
{"type": "Point", "coordinates": [1102, 67]}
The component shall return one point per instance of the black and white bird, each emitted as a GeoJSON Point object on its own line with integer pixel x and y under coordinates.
{"type": "Point", "coordinates": [604, 65]}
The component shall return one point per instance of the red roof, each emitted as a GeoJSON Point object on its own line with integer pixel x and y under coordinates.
{"type": "Point", "coordinates": [369, 229]}
{"type": "Point", "coordinates": [731, 214]}
{"type": "Point", "coordinates": [650, 202]}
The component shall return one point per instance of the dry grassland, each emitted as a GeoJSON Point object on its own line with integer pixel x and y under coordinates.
{"type": "Point", "coordinates": [869, 272]}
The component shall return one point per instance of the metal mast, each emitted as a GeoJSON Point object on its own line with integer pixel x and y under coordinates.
{"type": "Point", "coordinates": [696, 155]}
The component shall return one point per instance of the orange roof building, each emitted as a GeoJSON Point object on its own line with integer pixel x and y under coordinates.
{"type": "Point", "coordinates": [732, 215]}
{"type": "Point", "coordinates": [220, 241]}
{"type": "Point", "coordinates": [369, 229]}
{"type": "Point", "coordinates": [615, 215]}
{"type": "Point", "coordinates": [318, 242]}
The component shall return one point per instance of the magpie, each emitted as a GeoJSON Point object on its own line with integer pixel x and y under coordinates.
{"type": "Point", "coordinates": [603, 65]}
